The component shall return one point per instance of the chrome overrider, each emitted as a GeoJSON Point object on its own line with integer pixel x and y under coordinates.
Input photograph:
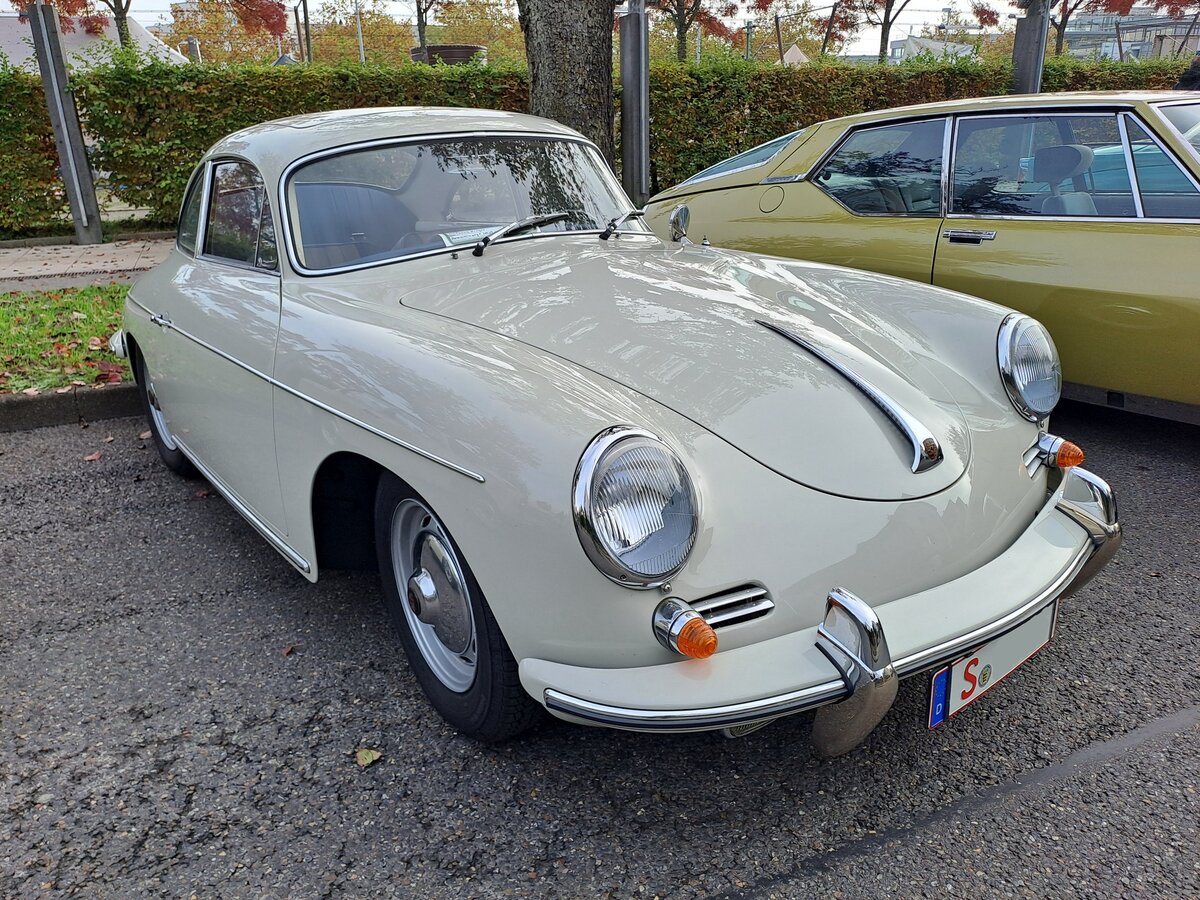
{"type": "Point", "coordinates": [851, 636]}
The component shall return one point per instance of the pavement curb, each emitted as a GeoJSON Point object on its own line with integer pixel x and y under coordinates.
{"type": "Point", "coordinates": [76, 406]}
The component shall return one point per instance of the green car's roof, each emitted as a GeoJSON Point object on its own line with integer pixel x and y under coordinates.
{"type": "Point", "coordinates": [1024, 101]}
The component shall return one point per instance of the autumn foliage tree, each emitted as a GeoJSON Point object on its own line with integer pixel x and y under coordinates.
{"type": "Point", "coordinates": [712, 16]}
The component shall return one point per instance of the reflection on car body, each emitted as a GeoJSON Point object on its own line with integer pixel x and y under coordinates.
{"type": "Point", "coordinates": [641, 484]}
{"type": "Point", "coordinates": [1080, 209]}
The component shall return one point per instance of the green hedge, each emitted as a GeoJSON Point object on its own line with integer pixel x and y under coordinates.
{"type": "Point", "coordinates": [31, 195]}
{"type": "Point", "coordinates": [150, 122]}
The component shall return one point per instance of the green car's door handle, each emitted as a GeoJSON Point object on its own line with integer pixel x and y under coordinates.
{"type": "Point", "coordinates": [967, 236]}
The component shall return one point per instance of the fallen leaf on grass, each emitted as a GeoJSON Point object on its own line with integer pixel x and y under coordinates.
{"type": "Point", "coordinates": [92, 457]}
{"type": "Point", "coordinates": [78, 316]}
{"type": "Point", "coordinates": [365, 757]}
{"type": "Point", "coordinates": [288, 649]}
{"type": "Point", "coordinates": [95, 343]}
{"type": "Point", "coordinates": [145, 436]}
{"type": "Point", "coordinates": [31, 392]}
{"type": "Point", "coordinates": [62, 390]}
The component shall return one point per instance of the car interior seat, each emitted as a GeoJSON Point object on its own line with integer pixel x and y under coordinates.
{"type": "Point", "coordinates": [1054, 165]}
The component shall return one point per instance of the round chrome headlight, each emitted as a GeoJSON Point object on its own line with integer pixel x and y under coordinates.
{"type": "Point", "coordinates": [635, 508]}
{"type": "Point", "coordinates": [1029, 366]}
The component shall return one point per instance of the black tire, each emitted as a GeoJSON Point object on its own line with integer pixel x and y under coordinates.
{"type": "Point", "coordinates": [482, 699]}
{"type": "Point", "coordinates": [172, 457]}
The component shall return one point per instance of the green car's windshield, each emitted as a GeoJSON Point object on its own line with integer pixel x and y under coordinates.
{"type": "Point", "coordinates": [386, 202]}
{"type": "Point", "coordinates": [1184, 118]}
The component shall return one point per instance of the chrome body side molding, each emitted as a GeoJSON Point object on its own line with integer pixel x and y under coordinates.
{"type": "Point", "coordinates": [164, 322]}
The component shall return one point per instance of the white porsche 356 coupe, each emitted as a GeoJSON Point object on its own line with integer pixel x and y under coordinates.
{"type": "Point", "coordinates": [654, 486]}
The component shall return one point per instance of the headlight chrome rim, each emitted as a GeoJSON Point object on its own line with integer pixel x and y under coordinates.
{"type": "Point", "coordinates": [1004, 356]}
{"type": "Point", "coordinates": [584, 508]}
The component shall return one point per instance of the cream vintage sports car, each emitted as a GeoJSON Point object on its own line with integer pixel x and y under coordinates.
{"type": "Point", "coordinates": [643, 484]}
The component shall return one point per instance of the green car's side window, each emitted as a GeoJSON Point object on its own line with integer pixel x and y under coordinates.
{"type": "Point", "coordinates": [1041, 165]}
{"type": "Point", "coordinates": [1167, 193]}
{"type": "Point", "coordinates": [893, 170]}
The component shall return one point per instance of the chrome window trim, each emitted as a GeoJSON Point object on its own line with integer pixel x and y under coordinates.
{"type": "Point", "coordinates": [164, 322]}
{"type": "Point", "coordinates": [201, 254]}
{"type": "Point", "coordinates": [1130, 172]}
{"type": "Point", "coordinates": [815, 169]}
{"type": "Point", "coordinates": [1114, 110]}
{"type": "Point", "coordinates": [947, 150]}
{"type": "Point", "coordinates": [200, 173]}
{"type": "Point", "coordinates": [1108, 219]}
{"type": "Point", "coordinates": [287, 210]}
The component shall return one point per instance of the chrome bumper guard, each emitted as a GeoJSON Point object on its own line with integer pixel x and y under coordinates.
{"type": "Point", "coordinates": [851, 637]}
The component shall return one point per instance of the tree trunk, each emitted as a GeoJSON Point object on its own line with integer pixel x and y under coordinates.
{"type": "Point", "coordinates": [422, 14]}
{"type": "Point", "coordinates": [681, 42]}
{"type": "Point", "coordinates": [122, 23]}
{"type": "Point", "coordinates": [885, 31]}
{"type": "Point", "coordinates": [571, 65]}
{"type": "Point", "coordinates": [1060, 34]}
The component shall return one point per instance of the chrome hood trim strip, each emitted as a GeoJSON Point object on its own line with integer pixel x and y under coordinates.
{"type": "Point", "coordinates": [927, 452]}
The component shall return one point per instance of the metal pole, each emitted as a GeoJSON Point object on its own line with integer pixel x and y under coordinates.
{"type": "Point", "coordinates": [829, 28]}
{"type": "Point", "coordinates": [1029, 48]}
{"type": "Point", "coordinates": [635, 102]}
{"type": "Point", "coordinates": [1187, 34]}
{"type": "Point", "coordinates": [779, 38]}
{"type": "Point", "coordinates": [749, 35]}
{"type": "Point", "coordinates": [362, 54]}
{"type": "Point", "coordinates": [64, 119]}
{"type": "Point", "coordinates": [307, 31]}
{"type": "Point", "coordinates": [1120, 46]}
{"type": "Point", "coordinates": [299, 34]}
{"type": "Point", "coordinates": [193, 50]}
{"type": "Point", "coordinates": [699, 31]}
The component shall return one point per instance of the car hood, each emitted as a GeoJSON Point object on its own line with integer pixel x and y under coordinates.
{"type": "Point", "coordinates": [689, 329]}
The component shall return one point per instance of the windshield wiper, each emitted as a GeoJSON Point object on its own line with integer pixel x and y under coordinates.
{"type": "Point", "coordinates": [519, 226]}
{"type": "Point", "coordinates": [614, 224]}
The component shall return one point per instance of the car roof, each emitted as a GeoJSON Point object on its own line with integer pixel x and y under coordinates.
{"type": "Point", "coordinates": [1023, 101]}
{"type": "Point", "coordinates": [273, 145]}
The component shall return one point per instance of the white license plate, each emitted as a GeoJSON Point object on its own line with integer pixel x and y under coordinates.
{"type": "Point", "coordinates": [959, 685]}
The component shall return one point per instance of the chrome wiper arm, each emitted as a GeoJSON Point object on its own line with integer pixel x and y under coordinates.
{"type": "Point", "coordinates": [611, 228]}
{"type": "Point", "coordinates": [518, 226]}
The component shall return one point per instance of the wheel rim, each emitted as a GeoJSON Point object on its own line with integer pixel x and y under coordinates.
{"type": "Point", "coordinates": [157, 419]}
{"type": "Point", "coordinates": [434, 595]}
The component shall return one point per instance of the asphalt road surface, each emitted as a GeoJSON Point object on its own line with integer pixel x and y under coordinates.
{"type": "Point", "coordinates": [156, 740]}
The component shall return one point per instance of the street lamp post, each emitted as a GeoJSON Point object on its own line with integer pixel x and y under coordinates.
{"type": "Point", "coordinates": [362, 53]}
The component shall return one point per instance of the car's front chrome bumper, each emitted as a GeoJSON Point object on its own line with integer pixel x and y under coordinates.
{"type": "Point", "coordinates": [859, 664]}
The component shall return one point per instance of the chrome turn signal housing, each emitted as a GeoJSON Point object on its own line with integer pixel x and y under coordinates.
{"type": "Point", "coordinates": [682, 629]}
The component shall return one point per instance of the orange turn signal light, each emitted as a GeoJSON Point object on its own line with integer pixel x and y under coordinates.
{"type": "Point", "coordinates": [697, 640]}
{"type": "Point", "coordinates": [1068, 455]}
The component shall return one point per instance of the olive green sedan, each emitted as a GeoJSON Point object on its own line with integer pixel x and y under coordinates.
{"type": "Point", "coordinates": [1080, 209]}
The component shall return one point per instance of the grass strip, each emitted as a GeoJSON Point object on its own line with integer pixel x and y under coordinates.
{"type": "Point", "coordinates": [51, 340]}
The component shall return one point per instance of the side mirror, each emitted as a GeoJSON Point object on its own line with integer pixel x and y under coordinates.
{"type": "Point", "coordinates": [680, 217]}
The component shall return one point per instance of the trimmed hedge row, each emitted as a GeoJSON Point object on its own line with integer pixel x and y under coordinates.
{"type": "Point", "coordinates": [150, 122]}
{"type": "Point", "coordinates": [31, 194]}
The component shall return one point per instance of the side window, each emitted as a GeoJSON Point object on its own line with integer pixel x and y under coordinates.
{"type": "Point", "coordinates": [237, 208]}
{"type": "Point", "coordinates": [1167, 193]}
{"type": "Point", "coordinates": [268, 253]}
{"type": "Point", "coordinates": [896, 169]}
{"type": "Point", "coordinates": [1053, 165]}
{"type": "Point", "coordinates": [189, 218]}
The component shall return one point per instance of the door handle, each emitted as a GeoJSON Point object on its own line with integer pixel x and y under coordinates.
{"type": "Point", "coordinates": [967, 236]}
{"type": "Point", "coordinates": [160, 320]}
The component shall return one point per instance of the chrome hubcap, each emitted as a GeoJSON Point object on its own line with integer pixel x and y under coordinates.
{"type": "Point", "coordinates": [438, 607]}
{"type": "Point", "coordinates": [157, 419]}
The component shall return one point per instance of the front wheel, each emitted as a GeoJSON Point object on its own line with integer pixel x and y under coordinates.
{"type": "Point", "coordinates": [452, 640]}
{"type": "Point", "coordinates": [160, 430]}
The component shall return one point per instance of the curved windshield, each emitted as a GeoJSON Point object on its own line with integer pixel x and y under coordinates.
{"type": "Point", "coordinates": [383, 203]}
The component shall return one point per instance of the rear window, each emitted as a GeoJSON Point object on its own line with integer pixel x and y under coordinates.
{"type": "Point", "coordinates": [755, 156]}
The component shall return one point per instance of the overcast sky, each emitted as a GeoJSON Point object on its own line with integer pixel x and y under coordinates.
{"type": "Point", "coordinates": [918, 14]}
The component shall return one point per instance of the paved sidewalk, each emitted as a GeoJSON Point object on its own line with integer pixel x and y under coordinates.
{"type": "Point", "coordinates": [70, 265]}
